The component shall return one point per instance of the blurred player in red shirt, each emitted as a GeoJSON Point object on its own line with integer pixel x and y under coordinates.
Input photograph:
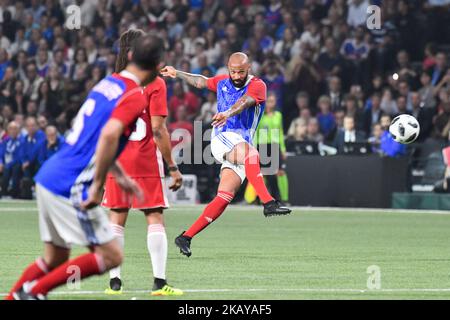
{"type": "Point", "coordinates": [142, 160]}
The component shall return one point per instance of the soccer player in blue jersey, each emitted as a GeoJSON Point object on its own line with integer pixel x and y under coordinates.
{"type": "Point", "coordinates": [240, 103]}
{"type": "Point", "coordinates": [69, 185]}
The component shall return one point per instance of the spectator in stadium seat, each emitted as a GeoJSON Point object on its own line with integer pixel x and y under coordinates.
{"type": "Point", "coordinates": [439, 68]}
{"type": "Point", "coordinates": [7, 113]}
{"type": "Point", "coordinates": [304, 115]}
{"type": "Point", "coordinates": [348, 134]}
{"type": "Point", "coordinates": [298, 130]}
{"type": "Point", "coordinates": [313, 130]}
{"type": "Point", "coordinates": [288, 46]}
{"type": "Point", "coordinates": [174, 27]}
{"type": "Point", "coordinates": [4, 62]}
{"type": "Point", "coordinates": [32, 82]}
{"type": "Point", "coordinates": [42, 122]}
{"type": "Point", "coordinates": [353, 110]}
{"type": "Point", "coordinates": [357, 12]}
{"type": "Point", "coordinates": [208, 110]}
{"type": "Point", "coordinates": [423, 116]}
{"type": "Point", "coordinates": [7, 86]}
{"type": "Point", "coordinates": [388, 103]}
{"type": "Point", "coordinates": [401, 106]}
{"type": "Point", "coordinates": [375, 138]}
{"type": "Point", "coordinates": [331, 60]}
{"type": "Point", "coordinates": [260, 36]}
{"type": "Point", "coordinates": [304, 73]}
{"type": "Point", "coordinates": [325, 116]}
{"type": "Point", "coordinates": [50, 145]}
{"type": "Point", "coordinates": [272, 73]}
{"type": "Point", "coordinates": [193, 37]}
{"type": "Point", "coordinates": [10, 161]}
{"type": "Point", "coordinates": [29, 148]}
{"type": "Point", "coordinates": [373, 113]}
{"type": "Point", "coordinates": [182, 98]}
{"type": "Point", "coordinates": [404, 68]}
{"type": "Point", "coordinates": [334, 91]}
{"type": "Point", "coordinates": [183, 123]}
{"type": "Point", "coordinates": [426, 91]}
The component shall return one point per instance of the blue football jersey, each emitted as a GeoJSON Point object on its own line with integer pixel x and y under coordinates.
{"type": "Point", "coordinates": [69, 172]}
{"type": "Point", "coordinates": [247, 121]}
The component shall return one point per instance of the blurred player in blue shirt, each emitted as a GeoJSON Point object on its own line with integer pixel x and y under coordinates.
{"type": "Point", "coordinates": [69, 186]}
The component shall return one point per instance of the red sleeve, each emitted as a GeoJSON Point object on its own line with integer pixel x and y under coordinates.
{"type": "Point", "coordinates": [158, 98]}
{"type": "Point", "coordinates": [257, 90]}
{"type": "Point", "coordinates": [211, 83]}
{"type": "Point", "coordinates": [130, 107]}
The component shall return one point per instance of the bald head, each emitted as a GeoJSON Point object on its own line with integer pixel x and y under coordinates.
{"type": "Point", "coordinates": [238, 59]}
{"type": "Point", "coordinates": [13, 129]}
{"type": "Point", "coordinates": [238, 68]}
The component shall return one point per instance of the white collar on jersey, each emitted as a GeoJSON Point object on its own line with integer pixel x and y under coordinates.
{"type": "Point", "coordinates": [131, 76]}
{"type": "Point", "coordinates": [249, 78]}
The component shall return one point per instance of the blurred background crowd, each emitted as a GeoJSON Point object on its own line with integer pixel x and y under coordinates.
{"type": "Point", "coordinates": [330, 78]}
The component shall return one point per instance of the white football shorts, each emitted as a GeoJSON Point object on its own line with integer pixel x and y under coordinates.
{"type": "Point", "coordinates": [223, 143]}
{"type": "Point", "coordinates": [61, 224]}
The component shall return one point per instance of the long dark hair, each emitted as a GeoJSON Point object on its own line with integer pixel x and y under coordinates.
{"type": "Point", "coordinates": [125, 44]}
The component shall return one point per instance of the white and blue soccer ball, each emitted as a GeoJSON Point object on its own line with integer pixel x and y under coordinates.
{"type": "Point", "coordinates": [404, 128]}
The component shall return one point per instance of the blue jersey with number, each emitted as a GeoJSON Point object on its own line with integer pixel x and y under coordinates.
{"type": "Point", "coordinates": [69, 173]}
{"type": "Point", "coordinates": [247, 121]}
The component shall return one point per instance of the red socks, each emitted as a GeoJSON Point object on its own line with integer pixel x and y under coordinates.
{"type": "Point", "coordinates": [85, 265]}
{"type": "Point", "coordinates": [255, 177]}
{"type": "Point", "coordinates": [212, 211]}
{"type": "Point", "coordinates": [34, 271]}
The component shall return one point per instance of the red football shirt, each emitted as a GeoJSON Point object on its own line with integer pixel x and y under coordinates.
{"type": "Point", "coordinates": [141, 157]}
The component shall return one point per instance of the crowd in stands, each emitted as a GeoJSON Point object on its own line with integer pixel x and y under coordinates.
{"type": "Point", "coordinates": [335, 80]}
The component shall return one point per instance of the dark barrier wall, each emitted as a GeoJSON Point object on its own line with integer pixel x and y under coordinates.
{"type": "Point", "coordinates": [345, 181]}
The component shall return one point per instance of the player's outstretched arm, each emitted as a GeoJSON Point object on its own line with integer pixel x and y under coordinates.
{"type": "Point", "coordinates": [241, 104]}
{"type": "Point", "coordinates": [196, 80]}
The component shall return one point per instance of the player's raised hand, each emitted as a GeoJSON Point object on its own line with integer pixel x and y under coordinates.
{"type": "Point", "coordinates": [177, 180]}
{"type": "Point", "coordinates": [169, 71]}
{"type": "Point", "coordinates": [219, 119]}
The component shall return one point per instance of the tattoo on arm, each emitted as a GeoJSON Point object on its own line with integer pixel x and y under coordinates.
{"type": "Point", "coordinates": [195, 80]}
{"type": "Point", "coordinates": [243, 103]}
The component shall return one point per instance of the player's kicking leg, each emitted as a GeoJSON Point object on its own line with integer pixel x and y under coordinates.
{"type": "Point", "coordinates": [157, 249]}
{"type": "Point", "coordinates": [245, 154]}
{"type": "Point", "coordinates": [228, 186]}
{"type": "Point", "coordinates": [118, 219]}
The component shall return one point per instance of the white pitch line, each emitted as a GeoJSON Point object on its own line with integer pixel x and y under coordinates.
{"type": "Point", "coordinates": [305, 290]}
{"type": "Point", "coordinates": [296, 209]}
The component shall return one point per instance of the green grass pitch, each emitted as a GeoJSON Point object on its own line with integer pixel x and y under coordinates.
{"type": "Point", "coordinates": [311, 254]}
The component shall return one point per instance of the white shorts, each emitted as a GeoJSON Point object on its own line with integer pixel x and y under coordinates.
{"type": "Point", "coordinates": [223, 143]}
{"type": "Point", "coordinates": [63, 225]}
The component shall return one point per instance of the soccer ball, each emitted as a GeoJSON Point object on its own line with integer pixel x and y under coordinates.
{"type": "Point", "coordinates": [404, 128]}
